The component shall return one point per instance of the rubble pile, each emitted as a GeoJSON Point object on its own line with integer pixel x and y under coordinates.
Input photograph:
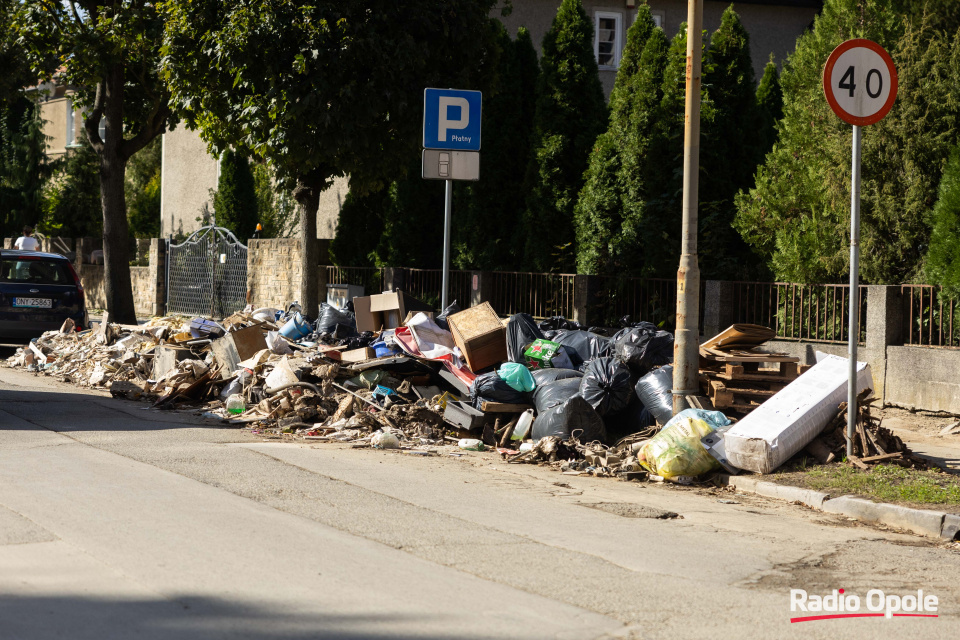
{"type": "Point", "coordinates": [386, 371]}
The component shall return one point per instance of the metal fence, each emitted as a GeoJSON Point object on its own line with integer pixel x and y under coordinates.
{"type": "Point", "coordinates": [928, 319]}
{"type": "Point", "coordinates": [650, 299]}
{"type": "Point", "coordinates": [370, 278]}
{"type": "Point", "coordinates": [810, 312]}
{"type": "Point", "coordinates": [207, 274]}
{"type": "Point", "coordinates": [425, 285]}
{"type": "Point", "coordinates": [542, 295]}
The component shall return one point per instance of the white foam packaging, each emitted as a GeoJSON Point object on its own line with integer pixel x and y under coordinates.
{"type": "Point", "coordinates": [793, 417]}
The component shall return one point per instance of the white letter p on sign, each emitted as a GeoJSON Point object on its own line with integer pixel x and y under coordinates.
{"type": "Point", "coordinates": [445, 123]}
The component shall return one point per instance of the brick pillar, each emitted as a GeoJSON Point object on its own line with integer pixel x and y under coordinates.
{"type": "Point", "coordinates": [884, 323]}
{"type": "Point", "coordinates": [585, 290]}
{"type": "Point", "coordinates": [481, 287]}
{"type": "Point", "coordinates": [394, 278]}
{"type": "Point", "coordinates": [718, 307]}
{"type": "Point", "coordinates": [158, 275]}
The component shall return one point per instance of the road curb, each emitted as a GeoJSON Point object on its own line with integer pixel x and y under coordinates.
{"type": "Point", "coordinates": [932, 524]}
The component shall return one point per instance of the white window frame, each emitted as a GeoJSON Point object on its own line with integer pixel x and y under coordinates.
{"type": "Point", "coordinates": [71, 139]}
{"type": "Point", "coordinates": [617, 37]}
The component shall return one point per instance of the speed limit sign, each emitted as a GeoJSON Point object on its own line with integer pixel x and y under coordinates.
{"type": "Point", "coordinates": [860, 82]}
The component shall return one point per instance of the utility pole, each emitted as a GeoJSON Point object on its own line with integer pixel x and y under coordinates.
{"type": "Point", "coordinates": [686, 348]}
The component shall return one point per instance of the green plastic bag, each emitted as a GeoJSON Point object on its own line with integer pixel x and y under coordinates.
{"type": "Point", "coordinates": [517, 376]}
{"type": "Point", "coordinates": [676, 450]}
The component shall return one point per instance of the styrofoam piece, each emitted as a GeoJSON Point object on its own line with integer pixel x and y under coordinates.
{"type": "Point", "coordinates": [789, 420]}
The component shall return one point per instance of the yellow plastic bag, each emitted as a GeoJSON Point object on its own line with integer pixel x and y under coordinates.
{"type": "Point", "coordinates": [676, 450]}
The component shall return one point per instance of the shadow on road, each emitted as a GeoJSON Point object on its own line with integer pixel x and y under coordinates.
{"type": "Point", "coordinates": [186, 617]}
{"type": "Point", "coordinates": [62, 411]}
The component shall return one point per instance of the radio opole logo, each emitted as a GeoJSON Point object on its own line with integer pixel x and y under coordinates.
{"type": "Point", "coordinates": [876, 604]}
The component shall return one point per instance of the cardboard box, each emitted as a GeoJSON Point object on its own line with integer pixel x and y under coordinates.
{"type": "Point", "coordinates": [788, 421]}
{"type": "Point", "coordinates": [385, 310]}
{"type": "Point", "coordinates": [237, 346]}
{"type": "Point", "coordinates": [358, 355]}
{"type": "Point", "coordinates": [480, 335]}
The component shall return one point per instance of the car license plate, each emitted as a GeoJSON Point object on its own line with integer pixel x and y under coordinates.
{"type": "Point", "coordinates": [37, 303]}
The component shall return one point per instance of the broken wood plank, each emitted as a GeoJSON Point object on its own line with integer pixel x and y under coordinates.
{"type": "Point", "coordinates": [857, 462]}
{"type": "Point", "coordinates": [501, 407]}
{"type": "Point", "coordinates": [886, 456]}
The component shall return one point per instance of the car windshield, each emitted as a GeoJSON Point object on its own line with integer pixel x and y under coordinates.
{"type": "Point", "coordinates": [35, 271]}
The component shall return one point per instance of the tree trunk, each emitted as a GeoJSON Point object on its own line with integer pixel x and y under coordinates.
{"type": "Point", "coordinates": [307, 195]}
{"type": "Point", "coordinates": [116, 231]}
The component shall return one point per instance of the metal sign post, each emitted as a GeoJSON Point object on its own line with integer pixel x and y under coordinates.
{"type": "Point", "coordinates": [451, 138]}
{"type": "Point", "coordinates": [860, 83]}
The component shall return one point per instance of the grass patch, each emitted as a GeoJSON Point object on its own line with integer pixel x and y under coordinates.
{"type": "Point", "coordinates": [886, 483]}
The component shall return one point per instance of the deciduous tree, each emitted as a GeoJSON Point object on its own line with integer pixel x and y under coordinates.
{"type": "Point", "coordinates": [109, 50]}
{"type": "Point", "coordinates": [318, 89]}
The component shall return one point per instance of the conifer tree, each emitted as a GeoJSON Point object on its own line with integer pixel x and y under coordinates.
{"type": "Point", "coordinates": [730, 149]}
{"type": "Point", "coordinates": [235, 201]}
{"type": "Point", "coordinates": [614, 188]}
{"type": "Point", "coordinates": [770, 104]}
{"type": "Point", "coordinates": [23, 164]}
{"type": "Point", "coordinates": [797, 216]}
{"type": "Point", "coordinates": [359, 228]}
{"type": "Point", "coordinates": [943, 257]}
{"type": "Point", "coordinates": [571, 112]}
{"type": "Point", "coordinates": [486, 212]}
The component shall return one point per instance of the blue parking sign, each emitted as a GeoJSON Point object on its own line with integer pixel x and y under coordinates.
{"type": "Point", "coordinates": [451, 119]}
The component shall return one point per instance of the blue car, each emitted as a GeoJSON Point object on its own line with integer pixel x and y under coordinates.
{"type": "Point", "coordinates": [38, 291]}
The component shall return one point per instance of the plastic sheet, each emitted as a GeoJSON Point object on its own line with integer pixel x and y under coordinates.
{"type": "Point", "coordinates": [643, 347]}
{"type": "Point", "coordinates": [676, 450]}
{"type": "Point", "coordinates": [558, 322]}
{"type": "Point", "coordinates": [491, 387]}
{"type": "Point", "coordinates": [441, 319]}
{"type": "Point", "coordinates": [546, 376]}
{"type": "Point", "coordinates": [583, 346]}
{"type": "Point", "coordinates": [521, 331]}
{"type": "Point", "coordinates": [550, 395]}
{"type": "Point", "coordinates": [331, 317]}
{"type": "Point", "coordinates": [606, 385]}
{"type": "Point", "coordinates": [575, 417]}
{"type": "Point", "coordinates": [655, 391]}
{"type": "Point", "coordinates": [517, 376]}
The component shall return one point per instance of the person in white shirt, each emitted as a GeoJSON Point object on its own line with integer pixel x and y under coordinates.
{"type": "Point", "coordinates": [26, 242]}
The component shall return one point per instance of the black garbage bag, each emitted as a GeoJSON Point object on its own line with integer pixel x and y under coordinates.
{"type": "Point", "coordinates": [332, 320]}
{"type": "Point", "coordinates": [606, 385]}
{"type": "Point", "coordinates": [655, 391]}
{"type": "Point", "coordinates": [490, 387]}
{"type": "Point", "coordinates": [643, 347]}
{"type": "Point", "coordinates": [575, 417]}
{"type": "Point", "coordinates": [583, 346]}
{"type": "Point", "coordinates": [358, 341]}
{"type": "Point", "coordinates": [521, 331]}
{"type": "Point", "coordinates": [550, 395]}
{"type": "Point", "coordinates": [629, 420]}
{"type": "Point", "coordinates": [546, 376]}
{"type": "Point", "coordinates": [558, 322]}
{"type": "Point", "coordinates": [441, 319]}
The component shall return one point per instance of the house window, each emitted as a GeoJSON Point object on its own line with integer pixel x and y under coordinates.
{"type": "Point", "coordinates": [607, 39]}
{"type": "Point", "coordinates": [102, 129]}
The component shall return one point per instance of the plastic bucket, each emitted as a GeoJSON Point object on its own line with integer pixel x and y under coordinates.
{"type": "Point", "coordinates": [295, 328]}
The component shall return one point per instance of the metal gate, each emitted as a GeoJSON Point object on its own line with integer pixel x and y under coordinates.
{"type": "Point", "coordinates": [207, 274]}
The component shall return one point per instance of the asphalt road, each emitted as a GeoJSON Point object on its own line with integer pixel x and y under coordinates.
{"type": "Point", "coordinates": [119, 521]}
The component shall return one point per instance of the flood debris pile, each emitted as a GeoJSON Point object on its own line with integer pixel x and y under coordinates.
{"type": "Point", "coordinates": [387, 371]}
